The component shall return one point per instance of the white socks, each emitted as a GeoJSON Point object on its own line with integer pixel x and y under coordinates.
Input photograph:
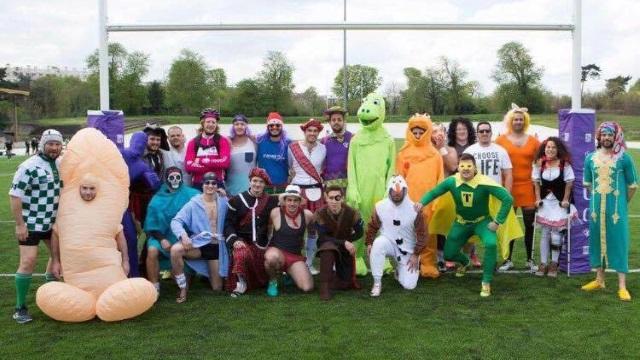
{"type": "Point", "coordinates": [181, 280]}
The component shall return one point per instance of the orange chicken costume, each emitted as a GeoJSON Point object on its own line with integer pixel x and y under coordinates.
{"type": "Point", "coordinates": [420, 163]}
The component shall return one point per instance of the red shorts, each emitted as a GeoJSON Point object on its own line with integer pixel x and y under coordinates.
{"type": "Point", "coordinates": [290, 259]}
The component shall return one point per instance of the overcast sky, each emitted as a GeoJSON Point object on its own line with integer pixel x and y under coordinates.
{"type": "Point", "coordinates": [63, 32]}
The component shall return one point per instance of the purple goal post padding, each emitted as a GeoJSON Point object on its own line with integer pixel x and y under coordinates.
{"type": "Point", "coordinates": [110, 123]}
{"type": "Point", "coordinates": [577, 129]}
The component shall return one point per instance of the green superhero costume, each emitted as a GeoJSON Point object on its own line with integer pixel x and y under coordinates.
{"type": "Point", "coordinates": [472, 217]}
{"type": "Point", "coordinates": [372, 154]}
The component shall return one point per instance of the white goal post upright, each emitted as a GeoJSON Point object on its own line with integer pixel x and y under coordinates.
{"type": "Point", "coordinates": [575, 28]}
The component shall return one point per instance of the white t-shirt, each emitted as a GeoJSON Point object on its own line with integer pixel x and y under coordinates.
{"type": "Point", "coordinates": [317, 157]}
{"type": "Point", "coordinates": [490, 160]}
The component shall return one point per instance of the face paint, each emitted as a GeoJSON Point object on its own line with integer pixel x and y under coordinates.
{"type": "Point", "coordinates": [466, 169]}
{"type": "Point", "coordinates": [465, 165]}
{"type": "Point", "coordinates": [174, 180]}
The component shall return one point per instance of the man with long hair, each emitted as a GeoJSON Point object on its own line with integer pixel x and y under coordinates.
{"type": "Point", "coordinates": [208, 151]}
{"type": "Point", "coordinates": [521, 148]}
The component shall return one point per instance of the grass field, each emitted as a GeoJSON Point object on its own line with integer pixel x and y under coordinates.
{"type": "Point", "coordinates": [525, 318]}
{"type": "Point", "coordinates": [631, 124]}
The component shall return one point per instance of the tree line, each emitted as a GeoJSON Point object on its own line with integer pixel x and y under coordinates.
{"type": "Point", "coordinates": [443, 89]}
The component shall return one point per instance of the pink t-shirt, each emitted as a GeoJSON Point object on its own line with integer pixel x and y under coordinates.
{"type": "Point", "coordinates": [208, 157]}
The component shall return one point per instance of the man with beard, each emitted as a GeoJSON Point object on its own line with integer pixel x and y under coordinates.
{"type": "Point", "coordinates": [401, 236]}
{"type": "Point", "coordinates": [337, 144]}
{"type": "Point", "coordinates": [177, 153]}
{"type": "Point", "coordinates": [34, 195]}
{"type": "Point", "coordinates": [141, 192]}
{"type": "Point", "coordinates": [245, 231]}
{"type": "Point", "coordinates": [164, 205]}
{"type": "Point", "coordinates": [208, 151]}
{"type": "Point", "coordinates": [339, 225]}
{"type": "Point", "coordinates": [471, 192]}
{"type": "Point", "coordinates": [611, 175]}
{"type": "Point", "coordinates": [522, 149]}
{"type": "Point", "coordinates": [272, 153]}
{"type": "Point", "coordinates": [306, 159]}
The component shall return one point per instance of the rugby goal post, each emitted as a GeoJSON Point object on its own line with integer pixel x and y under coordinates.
{"type": "Point", "coordinates": [575, 28]}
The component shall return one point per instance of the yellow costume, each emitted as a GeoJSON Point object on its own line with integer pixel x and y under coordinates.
{"type": "Point", "coordinates": [444, 214]}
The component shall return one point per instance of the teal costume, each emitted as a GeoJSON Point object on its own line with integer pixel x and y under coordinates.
{"type": "Point", "coordinates": [472, 217]}
{"type": "Point", "coordinates": [163, 207]}
{"type": "Point", "coordinates": [609, 177]}
{"type": "Point", "coordinates": [371, 163]}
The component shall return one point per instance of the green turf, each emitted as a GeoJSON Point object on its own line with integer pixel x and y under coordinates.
{"type": "Point", "coordinates": [525, 318]}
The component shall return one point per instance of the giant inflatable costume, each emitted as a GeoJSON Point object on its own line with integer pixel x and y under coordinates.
{"type": "Point", "coordinates": [421, 165]}
{"type": "Point", "coordinates": [372, 154]}
{"type": "Point", "coordinates": [95, 283]}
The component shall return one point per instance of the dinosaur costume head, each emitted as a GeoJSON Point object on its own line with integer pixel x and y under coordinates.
{"type": "Point", "coordinates": [372, 112]}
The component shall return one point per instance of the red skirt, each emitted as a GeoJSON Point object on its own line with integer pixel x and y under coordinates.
{"type": "Point", "coordinates": [248, 262]}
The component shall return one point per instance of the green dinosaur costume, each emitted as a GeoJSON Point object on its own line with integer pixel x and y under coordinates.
{"type": "Point", "coordinates": [372, 155]}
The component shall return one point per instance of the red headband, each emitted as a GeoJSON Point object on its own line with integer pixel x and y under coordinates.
{"type": "Point", "coordinates": [311, 123]}
{"type": "Point", "coordinates": [261, 173]}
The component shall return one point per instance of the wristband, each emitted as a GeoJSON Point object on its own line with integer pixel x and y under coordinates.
{"type": "Point", "coordinates": [443, 151]}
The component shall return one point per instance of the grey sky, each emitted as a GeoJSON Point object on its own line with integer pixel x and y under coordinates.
{"type": "Point", "coordinates": [64, 32]}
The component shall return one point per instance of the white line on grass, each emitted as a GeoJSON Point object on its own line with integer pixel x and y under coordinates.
{"type": "Point", "coordinates": [470, 271]}
{"type": "Point", "coordinates": [635, 216]}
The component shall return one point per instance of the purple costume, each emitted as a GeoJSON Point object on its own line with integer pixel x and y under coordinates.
{"type": "Point", "coordinates": [139, 170]}
{"type": "Point", "coordinates": [335, 168]}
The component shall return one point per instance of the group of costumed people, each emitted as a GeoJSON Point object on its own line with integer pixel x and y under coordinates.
{"type": "Point", "coordinates": [368, 210]}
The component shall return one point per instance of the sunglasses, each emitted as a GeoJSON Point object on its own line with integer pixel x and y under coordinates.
{"type": "Point", "coordinates": [484, 131]}
{"type": "Point", "coordinates": [210, 182]}
{"type": "Point", "coordinates": [174, 177]}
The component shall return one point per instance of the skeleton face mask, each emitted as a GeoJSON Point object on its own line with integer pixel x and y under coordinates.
{"type": "Point", "coordinates": [174, 180]}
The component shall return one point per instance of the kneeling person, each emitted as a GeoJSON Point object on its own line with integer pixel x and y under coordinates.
{"type": "Point", "coordinates": [471, 192]}
{"type": "Point", "coordinates": [203, 217]}
{"type": "Point", "coordinates": [402, 236]}
{"type": "Point", "coordinates": [338, 226]}
{"type": "Point", "coordinates": [164, 205]}
{"type": "Point", "coordinates": [289, 221]}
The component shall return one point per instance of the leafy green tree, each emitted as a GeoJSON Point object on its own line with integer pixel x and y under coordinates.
{"type": "Point", "coordinates": [309, 103]}
{"type": "Point", "coordinates": [589, 72]}
{"type": "Point", "coordinates": [155, 95]}
{"type": "Point", "coordinates": [518, 79]}
{"type": "Point", "coordinates": [188, 87]}
{"type": "Point", "coordinates": [246, 98]}
{"type": "Point", "coordinates": [218, 86]}
{"type": "Point", "coordinates": [617, 85]}
{"type": "Point", "coordinates": [126, 71]}
{"type": "Point", "coordinates": [361, 80]}
{"type": "Point", "coordinates": [276, 82]}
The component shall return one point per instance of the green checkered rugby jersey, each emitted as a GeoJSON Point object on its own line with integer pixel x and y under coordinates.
{"type": "Point", "coordinates": [38, 184]}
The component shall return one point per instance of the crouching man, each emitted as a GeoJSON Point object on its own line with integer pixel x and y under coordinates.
{"type": "Point", "coordinates": [289, 221]}
{"type": "Point", "coordinates": [338, 226]}
{"type": "Point", "coordinates": [401, 236]}
{"type": "Point", "coordinates": [198, 226]}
